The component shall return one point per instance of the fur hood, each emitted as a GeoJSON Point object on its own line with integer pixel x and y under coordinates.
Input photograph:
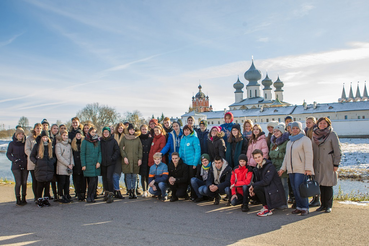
{"type": "Point", "coordinates": [219, 135]}
{"type": "Point", "coordinates": [130, 137]}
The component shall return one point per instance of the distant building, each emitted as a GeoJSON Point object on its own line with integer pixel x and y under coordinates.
{"type": "Point", "coordinates": [200, 102]}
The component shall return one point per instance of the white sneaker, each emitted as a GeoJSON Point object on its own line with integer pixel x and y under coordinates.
{"type": "Point", "coordinates": [144, 194]}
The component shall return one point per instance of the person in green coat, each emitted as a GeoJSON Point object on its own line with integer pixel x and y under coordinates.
{"type": "Point", "coordinates": [131, 151]}
{"type": "Point", "coordinates": [90, 161]}
{"type": "Point", "coordinates": [278, 143]}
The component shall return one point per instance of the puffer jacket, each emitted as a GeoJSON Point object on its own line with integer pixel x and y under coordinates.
{"type": "Point", "coordinates": [190, 150]}
{"type": "Point", "coordinates": [240, 177]}
{"type": "Point", "coordinates": [109, 151]}
{"type": "Point", "coordinates": [261, 144]}
{"type": "Point", "coordinates": [173, 143]}
{"type": "Point", "coordinates": [159, 173]}
{"type": "Point", "coordinates": [278, 151]}
{"type": "Point", "coordinates": [216, 146]}
{"type": "Point", "coordinates": [158, 143]}
{"type": "Point", "coordinates": [16, 154]}
{"type": "Point", "coordinates": [64, 156]}
{"type": "Point", "coordinates": [90, 156]}
{"type": "Point", "coordinates": [45, 167]}
{"type": "Point", "coordinates": [146, 141]}
{"type": "Point", "coordinates": [203, 138]}
{"type": "Point", "coordinates": [224, 179]}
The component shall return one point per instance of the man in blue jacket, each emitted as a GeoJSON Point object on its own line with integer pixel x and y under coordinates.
{"type": "Point", "coordinates": [202, 134]}
{"type": "Point", "coordinates": [158, 178]}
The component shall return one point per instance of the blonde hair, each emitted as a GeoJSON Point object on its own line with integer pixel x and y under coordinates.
{"type": "Point", "coordinates": [116, 133]}
{"type": "Point", "coordinates": [157, 155]}
{"type": "Point", "coordinates": [33, 132]}
{"type": "Point", "coordinates": [248, 121]}
{"type": "Point", "coordinates": [41, 148]}
{"type": "Point", "coordinates": [161, 128]}
{"type": "Point", "coordinates": [19, 131]}
{"type": "Point", "coordinates": [74, 143]}
{"type": "Point", "coordinates": [311, 118]}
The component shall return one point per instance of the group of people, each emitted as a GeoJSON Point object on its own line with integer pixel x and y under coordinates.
{"type": "Point", "coordinates": [244, 163]}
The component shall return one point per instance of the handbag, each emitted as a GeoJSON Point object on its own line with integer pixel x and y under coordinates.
{"type": "Point", "coordinates": [309, 187]}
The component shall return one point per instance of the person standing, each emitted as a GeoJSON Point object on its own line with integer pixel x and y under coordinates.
{"type": "Point", "coordinates": [236, 145]}
{"type": "Point", "coordinates": [146, 140]}
{"type": "Point", "coordinates": [327, 157]}
{"type": "Point", "coordinates": [28, 147]}
{"type": "Point", "coordinates": [18, 157]}
{"type": "Point", "coordinates": [203, 134]}
{"type": "Point", "coordinates": [79, 179]}
{"type": "Point", "coordinates": [90, 160]}
{"type": "Point", "coordinates": [247, 129]}
{"type": "Point", "coordinates": [74, 128]}
{"type": "Point", "coordinates": [257, 141]}
{"type": "Point", "coordinates": [158, 143]}
{"type": "Point", "coordinates": [118, 136]}
{"type": "Point", "coordinates": [270, 127]}
{"type": "Point", "coordinates": [173, 140]}
{"type": "Point", "coordinates": [227, 126]}
{"type": "Point", "coordinates": [216, 144]}
{"type": "Point", "coordinates": [45, 126]}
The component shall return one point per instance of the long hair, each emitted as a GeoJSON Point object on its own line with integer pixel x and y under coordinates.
{"type": "Point", "coordinates": [161, 128]}
{"type": "Point", "coordinates": [74, 143]}
{"type": "Point", "coordinates": [41, 149]}
{"type": "Point", "coordinates": [247, 121]}
{"type": "Point", "coordinates": [116, 133]}
{"type": "Point", "coordinates": [33, 132]}
{"type": "Point", "coordinates": [253, 136]}
{"type": "Point", "coordinates": [89, 124]}
{"type": "Point", "coordinates": [238, 138]}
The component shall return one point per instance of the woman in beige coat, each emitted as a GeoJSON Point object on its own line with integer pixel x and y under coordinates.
{"type": "Point", "coordinates": [298, 161]}
{"type": "Point", "coordinates": [327, 157]}
{"type": "Point", "coordinates": [64, 166]}
{"type": "Point", "coordinates": [30, 142]}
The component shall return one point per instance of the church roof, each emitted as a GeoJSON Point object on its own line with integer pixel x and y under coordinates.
{"type": "Point", "coordinates": [251, 101]}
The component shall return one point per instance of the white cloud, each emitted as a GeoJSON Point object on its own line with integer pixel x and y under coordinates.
{"type": "Point", "coordinates": [9, 41]}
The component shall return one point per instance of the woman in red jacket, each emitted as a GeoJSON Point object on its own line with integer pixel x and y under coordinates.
{"type": "Point", "coordinates": [240, 181]}
{"type": "Point", "coordinates": [157, 144]}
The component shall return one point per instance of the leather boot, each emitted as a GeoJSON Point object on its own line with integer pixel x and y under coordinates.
{"type": "Point", "coordinates": [19, 203]}
{"type": "Point", "coordinates": [24, 201]}
{"type": "Point", "coordinates": [119, 195]}
{"type": "Point", "coordinates": [106, 194]}
{"type": "Point", "coordinates": [110, 197]}
{"type": "Point", "coordinates": [130, 192]}
{"type": "Point", "coordinates": [315, 202]}
{"type": "Point", "coordinates": [134, 196]}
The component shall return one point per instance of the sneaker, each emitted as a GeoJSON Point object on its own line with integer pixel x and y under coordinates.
{"type": "Point", "coordinates": [144, 194]}
{"type": "Point", "coordinates": [46, 202]}
{"type": "Point", "coordinates": [40, 202]}
{"type": "Point", "coordinates": [245, 208]}
{"type": "Point", "coordinates": [264, 212]}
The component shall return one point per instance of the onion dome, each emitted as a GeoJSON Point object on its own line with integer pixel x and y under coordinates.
{"type": "Point", "coordinates": [267, 83]}
{"type": "Point", "coordinates": [200, 94]}
{"type": "Point", "coordinates": [278, 84]}
{"type": "Point", "coordinates": [238, 85]}
{"type": "Point", "coordinates": [252, 75]}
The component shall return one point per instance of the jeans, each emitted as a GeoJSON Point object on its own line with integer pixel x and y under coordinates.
{"type": "Point", "coordinates": [205, 191]}
{"type": "Point", "coordinates": [131, 180]}
{"type": "Point", "coordinates": [285, 187]}
{"type": "Point", "coordinates": [241, 199]}
{"type": "Point", "coordinates": [296, 179]}
{"type": "Point", "coordinates": [161, 189]}
{"type": "Point", "coordinates": [196, 184]}
{"type": "Point", "coordinates": [191, 173]}
{"type": "Point", "coordinates": [116, 178]}
{"type": "Point", "coordinates": [20, 177]}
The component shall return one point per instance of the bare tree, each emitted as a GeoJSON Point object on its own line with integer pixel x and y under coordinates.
{"type": "Point", "coordinates": [23, 122]}
{"type": "Point", "coordinates": [135, 118]}
{"type": "Point", "coordinates": [98, 115]}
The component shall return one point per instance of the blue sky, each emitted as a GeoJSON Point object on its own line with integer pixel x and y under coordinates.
{"type": "Point", "coordinates": [58, 56]}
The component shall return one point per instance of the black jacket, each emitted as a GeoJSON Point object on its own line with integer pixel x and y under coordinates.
{"type": "Point", "coordinates": [268, 178]}
{"type": "Point", "coordinates": [216, 147]}
{"type": "Point", "coordinates": [16, 154]}
{"type": "Point", "coordinates": [45, 167]}
{"type": "Point", "coordinates": [225, 178]}
{"type": "Point", "coordinates": [203, 138]}
{"type": "Point", "coordinates": [109, 151]}
{"type": "Point", "coordinates": [146, 141]}
{"type": "Point", "coordinates": [77, 169]}
{"type": "Point", "coordinates": [180, 173]}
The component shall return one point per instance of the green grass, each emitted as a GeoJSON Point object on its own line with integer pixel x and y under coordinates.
{"type": "Point", "coordinates": [356, 196]}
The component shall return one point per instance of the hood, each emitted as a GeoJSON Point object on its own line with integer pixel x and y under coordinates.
{"type": "Point", "coordinates": [225, 164]}
{"type": "Point", "coordinates": [110, 138]}
{"type": "Point", "coordinates": [131, 137]}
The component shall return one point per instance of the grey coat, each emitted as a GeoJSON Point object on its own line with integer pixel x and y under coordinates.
{"type": "Point", "coordinates": [30, 142]}
{"type": "Point", "coordinates": [326, 156]}
{"type": "Point", "coordinates": [64, 156]}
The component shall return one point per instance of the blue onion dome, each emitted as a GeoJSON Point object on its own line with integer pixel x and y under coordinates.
{"type": "Point", "coordinates": [238, 85]}
{"type": "Point", "coordinates": [200, 94]}
{"type": "Point", "coordinates": [253, 74]}
{"type": "Point", "coordinates": [278, 84]}
{"type": "Point", "coordinates": [267, 83]}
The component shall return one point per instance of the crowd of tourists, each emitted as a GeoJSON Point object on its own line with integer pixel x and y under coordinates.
{"type": "Point", "coordinates": [241, 164]}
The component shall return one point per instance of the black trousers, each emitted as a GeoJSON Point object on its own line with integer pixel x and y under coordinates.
{"type": "Point", "coordinates": [34, 183]}
{"type": "Point", "coordinates": [20, 177]}
{"type": "Point", "coordinates": [79, 182]}
{"type": "Point", "coordinates": [191, 174]}
{"type": "Point", "coordinates": [260, 194]}
{"type": "Point", "coordinates": [326, 196]}
{"type": "Point", "coordinates": [179, 190]}
{"type": "Point", "coordinates": [53, 185]}
{"type": "Point", "coordinates": [242, 199]}
{"type": "Point", "coordinates": [144, 181]}
{"type": "Point", "coordinates": [92, 185]}
{"type": "Point", "coordinates": [41, 186]}
{"type": "Point", "coordinates": [107, 177]}
{"type": "Point", "coordinates": [63, 185]}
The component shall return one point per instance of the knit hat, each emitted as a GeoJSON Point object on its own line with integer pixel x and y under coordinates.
{"type": "Point", "coordinates": [230, 114]}
{"type": "Point", "coordinates": [205, 156]}
{"type": "Point", "coordinates": [106, 128]}
{"type": "Point", "coordinates": [242, 157]}
{"type": "Point", "coordinates": [288, 117]}
{"type": "Point", "coordinates": [44, 121]}
{"type": "Point", "coordinates": [155, 121]}
{"type": "Point", "coordinates": [280, 127]}
{"type": "Point", "coordinates": [18, 131]}
{"type": "Point", "coordinates": [296, 124]}
{"type": "Point", "coordinates": [272, 124]}
{"type": "Point", "coordinates": [204, 122]}
{"type": "Point", "coordinates": [177, 122]}
{"type": "Point", "coordinates": [216, 127]}
{"type": "Point", "coordinates": [130, 127]}
{"type": "Point", "coordinates": [237, 126]}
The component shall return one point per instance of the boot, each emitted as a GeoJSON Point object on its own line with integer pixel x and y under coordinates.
{"type": "Point", "coordinates": [46, 202]}
{"type": "Point", "coordinates": [110, 197]}
{"type": "Point", "coordinates": [245, 207]}
{"type": "Point", "coordinates": [315, 202]}
{"type": "Point", "coordinates": [130, 192]}
{"type": "Point", "coordinates": [56, 198]}
{"type": "Point", "coordinates": [24, 201]}
{"type": "Point", "coordinates": [81, 197]}
{"type": "Point", "coordinates": [119, 195]}
{"type": "Point", "coordinates": [134, 196]}
{"type": "Point", "coordinates": [64, 200]}
{"type": "Point", "coordinates": [217, 199]}
{"type": "Point", "coordinates": [19, 203]}
{"type": "Point", "coordinates": [106, 194]}
{"type": "Point", "coordinates": [40, 202]}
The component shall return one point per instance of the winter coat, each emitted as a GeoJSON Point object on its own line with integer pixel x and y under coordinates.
{"type": "Point", "coordinates": [268, 138]}
{"type": "Point", "coordinates": [267, 177]}
{"type": "Point", "coordinates": [64, 156]}
{"type": "Point", "coordinates": [261, 144]}
{"type": "Point", "coordinates": [159, 173]}
{"type": "Point", "coordinates": [180, 173]}
{"type": "Point", "coordinates": [225, 176]}
{"type": "Point", "coordinates": [77, 169]}
{"type": "Point", "coordinates": [240, 177]}
{"type": "Point", "coordinates": [216, 146]}
{"type": "Point", "coordinates": [146, 141]}
{"type": "Point", "coordinates": [198, 172]}
{"type": "Point", "coordinates": [73, 132]}
{"type": "Point", "coordinates": [190, 150]}
{"type": "Point", "coordinates": [16, 154]}
{"type": "Point", "coordinates": [227, 129]}
{"type": "Point", "coordinates": [45, 167]}
{"type": "Point", "coordinates": [30, 143]}
{"type": "Point", "coordinates": [203, 138]}
{"type": "Point", "coordinates": [326, 157]}
{"type": "Point", "coordinates": [90, 155]}
{"type": "Point", "coordinates": [299, 156]}
{"type": "Point", "coordinates": [131, 148]}
{"type": "Point", "coordinates": [158, 143]}
{"type": "Point", "coordinates": [277, 153]}
{"type": "Point", "coordinates": [234, 150]}
{"type": "Point", "coordinates": [173, 143]}
{"type": "Point", "coordinates": [109, 151]}
{"type": "Point", "coordinates": [118, 162]}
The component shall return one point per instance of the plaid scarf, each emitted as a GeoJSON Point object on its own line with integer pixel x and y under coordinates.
{"type": "Point", "coordinates": [319, 136]}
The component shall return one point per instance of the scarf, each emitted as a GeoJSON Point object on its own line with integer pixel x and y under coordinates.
{"type": "Point", "coordinates": [92, 139]}
{"type": "Point", "coordinates": [205, 171]}
{"type": "Point", "coordinates": [218, 173]}
{"type": "Point", "coordinates": [297, 137]}
{"type": "Point", "coordinates": [319, 136]}
{"type": "Point", "coordinates": [247, 134]}
{"type": "Point", "coordinates": [278, 141]}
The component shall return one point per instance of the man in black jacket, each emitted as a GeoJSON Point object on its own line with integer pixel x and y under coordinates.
{"type": "Point", "coordinates": [219, 179]}
{"type": "Point", "coordinates": [178, 177]}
